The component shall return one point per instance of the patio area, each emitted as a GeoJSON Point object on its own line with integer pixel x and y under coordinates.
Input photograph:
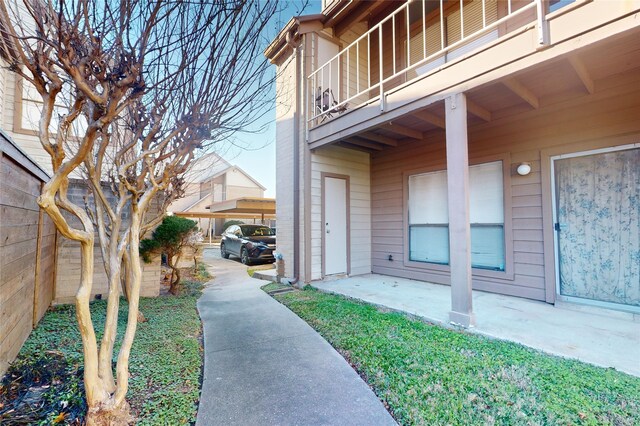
{"type": "Point", "coordinates": [597, 336]}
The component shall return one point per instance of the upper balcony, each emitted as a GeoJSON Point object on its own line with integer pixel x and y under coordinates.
{"type": "Point", "coordinates": [364, 67]}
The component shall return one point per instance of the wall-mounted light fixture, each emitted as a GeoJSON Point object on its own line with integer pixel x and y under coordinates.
{"type": "Point", "coordinates": [524, 169]}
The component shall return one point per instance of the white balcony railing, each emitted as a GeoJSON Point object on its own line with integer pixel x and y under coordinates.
{"type": "Point", "coordinates": [414, 39]}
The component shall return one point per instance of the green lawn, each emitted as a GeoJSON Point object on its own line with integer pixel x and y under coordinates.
{"type": "Point", "coordinates": [430, 375]}
{"type": "Point", "coordinates": [165, 363]}
{"type": "Point", "coordinates": [274, 286]}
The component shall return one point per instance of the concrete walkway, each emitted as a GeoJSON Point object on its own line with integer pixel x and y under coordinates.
{"type": "Point", "coordinates": [265, 366]}
{"type": "Point", "coordinates": [597, 336]}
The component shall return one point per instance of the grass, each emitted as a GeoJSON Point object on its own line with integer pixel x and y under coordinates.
{"type": "Point", "coordinates": [430, 375]}
{"type": "Point", "coordinates": [165, 363]}
{"type": "Point", "coordinates": [274, 286]}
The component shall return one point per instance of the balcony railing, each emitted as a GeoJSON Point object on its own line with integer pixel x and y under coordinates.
{"type": "Point", "coordinates": [416, 38]}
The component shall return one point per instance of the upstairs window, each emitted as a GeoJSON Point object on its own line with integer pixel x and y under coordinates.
{"type": "Point", "coordinates": [558, 4]}
{"type": "Point", "coordinates": [429, 217]}
{"type": "Point", "coordinates": [30, 110]}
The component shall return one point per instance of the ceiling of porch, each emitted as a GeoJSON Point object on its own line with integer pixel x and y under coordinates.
{"type": "Point", "coordinates": [566, 79]}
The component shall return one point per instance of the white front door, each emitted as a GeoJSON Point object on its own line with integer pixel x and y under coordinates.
{"type": "Point", "coordinates": [335, 226]}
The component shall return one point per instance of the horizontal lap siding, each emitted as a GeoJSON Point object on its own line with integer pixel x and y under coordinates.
{"type": "Point", "coordinates": [29, 143]}
{"type": "Point", "coordinates": [612, 111]}
{"type": "Point", "coordinates": [19, 215]}
{"type": "Point", "coordinates": [356, 165]}
{"type": "Point", "coordinates": [285, 89]}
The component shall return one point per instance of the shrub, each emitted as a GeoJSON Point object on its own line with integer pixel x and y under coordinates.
{"type": "Point", "coordinates": [169, 238]}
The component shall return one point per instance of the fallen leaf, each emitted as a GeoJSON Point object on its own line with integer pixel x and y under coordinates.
{"type": "Point", "coordinates": [582, 416]}
{"type": "Point", "coordinates": [59, 418]}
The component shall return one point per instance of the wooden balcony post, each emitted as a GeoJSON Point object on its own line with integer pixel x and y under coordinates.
{"type": "Point", "coordinates": [458, 203]}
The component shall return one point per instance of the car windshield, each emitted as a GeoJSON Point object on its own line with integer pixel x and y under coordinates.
{"type": "Point", "coordinates": [256, 231]}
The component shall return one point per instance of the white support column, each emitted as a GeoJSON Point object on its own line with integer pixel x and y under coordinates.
{"type": "Point", "coordinates": [458, 196]}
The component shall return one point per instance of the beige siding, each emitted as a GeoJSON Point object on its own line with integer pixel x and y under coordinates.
{"type": "Point", "coordinates": [356, 165]}
{"type": "Point", "coordinates": [599, 120]}
{"type": "Point", "coordinates": [29, 143]}
{"type": "Point", "coordinates": [243, 191]}
{"type": "Point", "coordinates": [285, 94]}
{"type": "Point", "coordinates": [236, 178]}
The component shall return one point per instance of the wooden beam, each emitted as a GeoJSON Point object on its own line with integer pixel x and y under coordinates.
{"type": "Point", "coordinates": [404, 131]}
{"type": "Point", "coordinates": [347, 145]}
{"type": "Point", "coordinates": [583, 73]}
{"type": "Point", "coordinates": [478, 111]}
{"type": "Point", "coordinates": [363, 143]}
{"type": "Point", "coordinates": [519, 89]}
{"type": "Point", "coordinates": [430, 118]}
{"type": "Point", "coordinates": [379, 138]}
{"type": "Point", "coordinates": [356, 16]}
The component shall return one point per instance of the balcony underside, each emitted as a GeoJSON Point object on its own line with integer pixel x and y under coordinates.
{"type": "Point", "coordinates": [572, 69]}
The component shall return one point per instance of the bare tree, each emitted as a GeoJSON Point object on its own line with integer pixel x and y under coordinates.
{"type": "Point", "coordinates": [146, 85]}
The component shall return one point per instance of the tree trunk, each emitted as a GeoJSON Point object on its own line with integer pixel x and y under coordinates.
{"type": "Point", "coordinates": [111, 323]}
{"type": "Point", "coordinates": [122, 367]}
{"type": "Point", "coordinates": [175, 272]}
{"type": "Point", "coordinates": [109, 415]}
{"type": "Point", "coordinates": [126, 276]}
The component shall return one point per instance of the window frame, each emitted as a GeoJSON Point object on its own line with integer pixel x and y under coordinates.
{"type": "Point", "coordinates": [19, 100]}
{"type": "Point", "coordinates": [439, 269]}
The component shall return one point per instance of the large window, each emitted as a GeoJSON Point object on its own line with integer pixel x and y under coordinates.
{"type": "Point", "coordinates": [429, 217]}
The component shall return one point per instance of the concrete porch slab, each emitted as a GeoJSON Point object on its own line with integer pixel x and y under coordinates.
{"type": "Point", "coordinates": [597, 336]}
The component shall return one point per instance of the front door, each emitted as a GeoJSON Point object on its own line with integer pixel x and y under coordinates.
{"type": "Point", "coordinates": [335, 225]}
{"type": "Point", "coordinates": [597, 227]}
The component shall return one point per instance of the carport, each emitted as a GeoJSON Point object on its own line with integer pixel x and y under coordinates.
{"type": "Point", "coordinates": [254, 208]}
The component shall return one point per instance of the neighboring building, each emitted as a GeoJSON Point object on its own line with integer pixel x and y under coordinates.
{"type": "Point", "coordinates": [486, 144]}
{"type": "Point", "coordinates": [212, 180]}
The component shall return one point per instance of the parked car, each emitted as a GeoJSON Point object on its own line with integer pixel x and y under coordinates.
{"type": "Point", "coordinates": [251, 243]}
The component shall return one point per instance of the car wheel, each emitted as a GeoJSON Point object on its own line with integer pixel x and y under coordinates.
{"type": "Point", "coordinates": [223, 251]}
{"type": "Point", "coordinates": [244, 257]}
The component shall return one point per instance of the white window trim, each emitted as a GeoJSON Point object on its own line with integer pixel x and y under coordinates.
{"type": "Point", "coordinates": [508, 274]}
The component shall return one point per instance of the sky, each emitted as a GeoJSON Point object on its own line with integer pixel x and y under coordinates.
{"type": "Point", "coordinates": [257, 156]}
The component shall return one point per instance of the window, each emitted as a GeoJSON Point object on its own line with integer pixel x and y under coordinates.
{"type": "Point", "coordinates": [429, 217]}
{"type": "Point", "coordinates": [558, 4]}
{"type": "Point", "coordinates": [31, 110]}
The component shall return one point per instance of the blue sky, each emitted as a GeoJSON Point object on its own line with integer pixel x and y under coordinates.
{"type": "Point", "coordinates": [259, 156]}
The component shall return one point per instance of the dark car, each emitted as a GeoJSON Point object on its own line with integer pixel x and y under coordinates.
{"type": "Point", "coordinates": [251, 243]}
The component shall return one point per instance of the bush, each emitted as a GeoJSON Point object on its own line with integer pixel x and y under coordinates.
{"type": "Point", "coordinates": [169, 238]}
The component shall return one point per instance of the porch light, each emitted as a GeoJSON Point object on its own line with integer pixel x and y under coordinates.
{"type": "Point", "coordinates": [524, 169]}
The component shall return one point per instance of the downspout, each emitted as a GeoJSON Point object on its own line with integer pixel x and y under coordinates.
{"type": "Point", "coordinates": [307, 49]}
{"type": "Point", "coordinates": [296, 168]}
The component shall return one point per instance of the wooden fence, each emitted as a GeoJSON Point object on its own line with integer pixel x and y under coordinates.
{"type": "Point", "coordinates": [31, 249]}
{"type": "Point", "coordinates": [27, 251]}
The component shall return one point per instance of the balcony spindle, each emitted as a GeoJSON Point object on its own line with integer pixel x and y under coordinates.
{"type": "Point", "coordinates": [424, 29]}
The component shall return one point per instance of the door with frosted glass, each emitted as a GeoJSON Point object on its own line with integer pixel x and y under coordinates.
{"type": "Point", "coordinates": [597, 226]}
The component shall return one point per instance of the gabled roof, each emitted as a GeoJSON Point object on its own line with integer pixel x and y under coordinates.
{"type": "Point", "coordinates": [206, 200]}
{"type": "Point", "coordinates": [205, 167]}
{"type": "Point", "coordinates": [231, 168]}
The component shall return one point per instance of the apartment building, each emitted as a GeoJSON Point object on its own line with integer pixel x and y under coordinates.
{"type": "Point", "coordinates": [483, 144]}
